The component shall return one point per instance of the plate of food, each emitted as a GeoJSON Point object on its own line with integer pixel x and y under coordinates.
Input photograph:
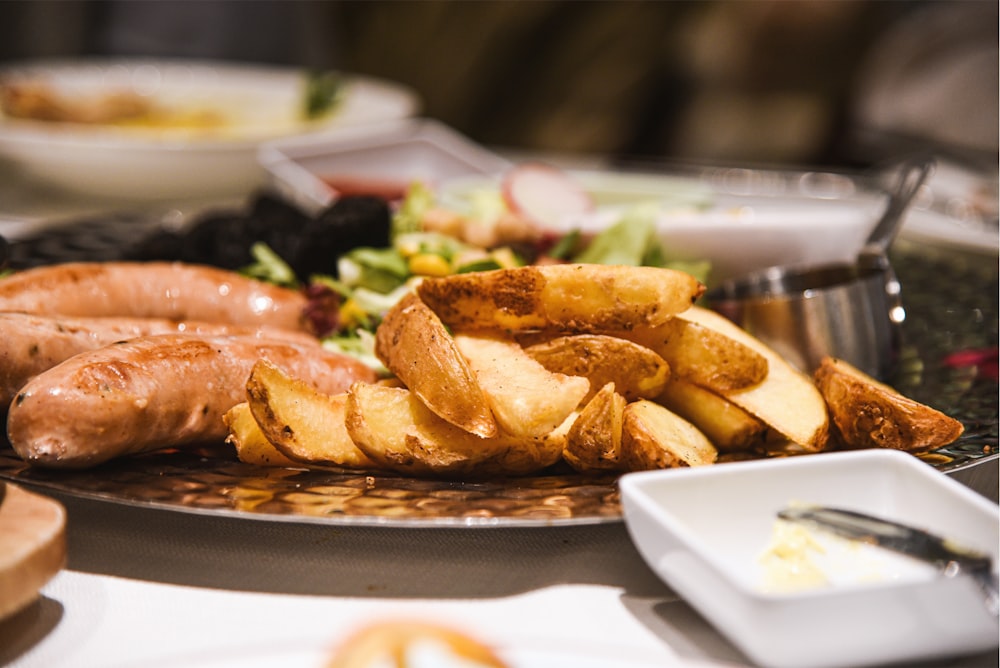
{"type": "Point", "coordinates": [462, 397]}
{"type": "Point", "coordinates": [141, 129]}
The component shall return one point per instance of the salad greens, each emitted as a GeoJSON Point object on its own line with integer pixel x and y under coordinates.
{"type": "Point", "coordinates": [370, 281]}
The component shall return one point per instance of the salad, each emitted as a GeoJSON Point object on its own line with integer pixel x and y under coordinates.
{"type": "Point", "coordinates": [499, 229]}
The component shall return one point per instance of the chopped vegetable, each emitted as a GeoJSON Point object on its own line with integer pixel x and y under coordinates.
{"type": "Point", "coordinates": [626, 242]}
{"type": "Point", "coordinates": [544, 193]}
{"type": "Point", "coordinates": [323, 92]}
{"type": "Point", "coordinates": [270, 267]}
{"type": "Point", "coordinates": [418, 200]}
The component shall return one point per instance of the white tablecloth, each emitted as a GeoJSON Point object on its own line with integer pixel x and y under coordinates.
{"type": "Point", "coordinates": [156, 588]}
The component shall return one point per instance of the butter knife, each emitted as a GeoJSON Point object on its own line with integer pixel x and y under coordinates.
{"type": "Point", "coordinates": [949, 558]}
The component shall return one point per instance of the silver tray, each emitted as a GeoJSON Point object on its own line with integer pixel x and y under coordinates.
{"type": "Point", "coordinates": [951, 302]}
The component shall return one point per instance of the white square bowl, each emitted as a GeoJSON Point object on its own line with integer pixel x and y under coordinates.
{"type": "Point", "coordinates": [397, 152]}
{"type": "Point", "coordinates": [704, 530]}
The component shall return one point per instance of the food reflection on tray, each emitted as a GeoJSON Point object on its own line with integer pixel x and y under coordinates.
{"type": "Point", "coordinates": [478, 368]}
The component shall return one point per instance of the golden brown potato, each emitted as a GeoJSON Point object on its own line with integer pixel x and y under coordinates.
{"type": "Point", "coordinates": [636, 371]}
{"type": "Point", "coordinates": [567, 297]}
{"type": "Point", "coordinates": [729, 427]}
{"type": "Point", "coordinates": [702, 355]}
{"type": "Point", "coordinates": [526, 398]}
{"type": "Point", "coordinates": [252, 447]}
{"type": "Point", "coordinates": [394, 427]}
{"type": "Point", "coordinates": [389, 642]}
{"type": "Point", "coordinates": [786, 400]}
{"type": "Point", "coordinates": [655, 438]}
{"type": "Point", "coordinates": [416, 347]}
{"type": "Point", "coordinates": [594, 442]}
{"type": "Point", "coordinates": [870, 414]}
{"type": "Point", "coordinates": [303, 423]}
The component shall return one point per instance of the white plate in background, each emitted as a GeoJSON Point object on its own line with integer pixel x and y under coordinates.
{"type": "Point", "coordinates": [143, 162]}
{"type": "Point", "coordinates": [741, 220]}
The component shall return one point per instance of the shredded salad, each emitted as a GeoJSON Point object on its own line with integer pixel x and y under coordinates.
{"type": "Point", "coordinates": [428, 240]}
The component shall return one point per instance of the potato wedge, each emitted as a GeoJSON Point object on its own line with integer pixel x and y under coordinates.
{"type": "Point", "coordinates": [252, 447]}
{"type": "Point", "coordinates": [870, 414]}
{"type": "Point", "coordinates": [702, 355]}
{"type": "Point", "coordinates": [568, 297]}
{"type": "Point", "coordinates": [415, 346]}
{"type": "Point", "coordinates": [636, 371]}
{"type": "Point", "coordinates": [394, 427]}
{"type": "Point", "coordinates": [729, 427]}
{"type": "Point", "coordinates": [389, 642]}
{"type": "Point", "coordinates": [594, 442]}
{"type": "Point", "coordinates": [655, 438]}
{"type": "Point", "coordinates": [303, 423]}
{"type": "Point", "coordinates": [786, 400]}
{"type": "Point", "coordinates": [526, 398]}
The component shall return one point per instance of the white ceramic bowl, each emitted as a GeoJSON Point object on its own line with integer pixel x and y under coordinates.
{"type": "Point", "coordinates": [399, 153]}
{"type": "Point", "coordinates": [742, 220]}
{"type": "Point", "coordinates": [259, 103]}
{"type": "Point", "coordinates": [704, 530]}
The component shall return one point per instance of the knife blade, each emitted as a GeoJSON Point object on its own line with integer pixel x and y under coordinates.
{"type": "Point", "coordinates": [948, 557]}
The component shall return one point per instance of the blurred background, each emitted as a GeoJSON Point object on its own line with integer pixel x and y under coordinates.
{"type": "Point", "coordinates": [841, 82]}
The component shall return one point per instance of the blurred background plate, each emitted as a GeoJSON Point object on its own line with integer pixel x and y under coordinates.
{"type": "Point", "coordinates": [197, 136]}
{"type": "Point", "coordinates": [958, 208]}
{"type": "Point", "coordinates": [740, 219]}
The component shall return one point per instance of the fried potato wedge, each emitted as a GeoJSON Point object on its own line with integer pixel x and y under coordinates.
{"type": "Point", "coordinates": [394, 427]}
{"type": "Point", "coordinates": [729, 427]}
{"type": "Point", "coordinates": [594, 442]}
{"type": "Point", "coordinates": [636, 371]}
{"type": "Point", "coordinates": [786, 400]}
{"type": "Point", "coordinates": [870, 414]}
{"type": "Point", "coordinates": [389, 642]}
{"type": "Point", "coordinates": [526, 398]}
{"type": "Point", "coordinates": [655, 438]}
{"type": "Point", "coordinates": [301, 422]}
{"type": "Point", "coordinates": [252, 447]}
{"type": "Point", "coordinates": [568, 297]}
{"type": "Point", "coordinates": [703, 355]}
{"type": "Point", "coordinates": [415, 346]}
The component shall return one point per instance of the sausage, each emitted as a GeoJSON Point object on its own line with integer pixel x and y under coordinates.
{"type": "Point", "coordinates": [172, 290]}
{"type": "Point", "coordinates": [30, 344]}
{"type": "Point", "coordinates": [154, 392]}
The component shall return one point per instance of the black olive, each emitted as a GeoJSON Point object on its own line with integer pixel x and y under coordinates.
{"type": "Point", "coordinates": [351, 222]}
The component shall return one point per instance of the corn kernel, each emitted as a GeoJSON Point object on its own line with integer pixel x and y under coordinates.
{"type": "Point", "coordinates": [429, 264]}
{"type": "Point", "coordinates": [352, 316]}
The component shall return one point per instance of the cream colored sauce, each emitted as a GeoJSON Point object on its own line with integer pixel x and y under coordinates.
{"type": "Point", "coordinates": [799, 559]}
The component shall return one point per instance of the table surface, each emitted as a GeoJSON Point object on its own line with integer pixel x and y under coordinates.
{"type": "Point", "coordinates": [152, 587]}
{"type": "Point", "coordinates": [155, 588]}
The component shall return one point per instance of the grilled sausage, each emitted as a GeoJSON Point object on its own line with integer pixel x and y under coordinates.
{"type": "Point", "coordinates": [31, 344]}
{"type": "Point", "coordinates": [172, 290]}
{"type": "Point", "coordinates": [154, 392]}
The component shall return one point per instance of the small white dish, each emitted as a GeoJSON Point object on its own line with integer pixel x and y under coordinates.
{"type": "Point", "coordinates": [704, 532]}
{"type": "Point", "coordinates": [741, 220]}
{"type": "Point", "coordinates": [305, 170]}
{"type": "Point", "coordinates": [180, 157]}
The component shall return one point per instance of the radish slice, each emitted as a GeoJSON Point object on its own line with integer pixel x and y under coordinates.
{"type": "Point", "coordinates": [544, 194]}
